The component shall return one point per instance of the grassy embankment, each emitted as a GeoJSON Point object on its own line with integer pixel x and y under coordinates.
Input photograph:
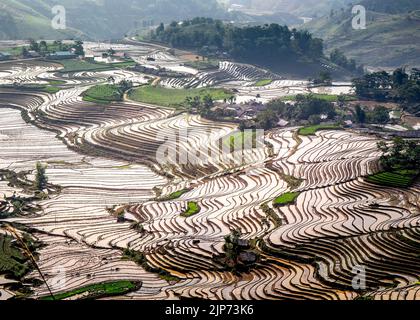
{"type": "Point", "coordinates": [173, 97]}
{"type": "Point", "coordinates": [263, 82]}
{"type": "Point", "coordinates": [106, 93]}
{"type": "Point", "coordinates": [203, 65]}
{"type": "Point", "coordinates": [52, 87]}
{"type": "Point", "coordinates": [311, 130]}
{"type": "Point", "coordinates": [174, 195]}
{"type": "Point", "coordinates": [74, 65]}
{"type": "Point", "coordinates": [100, 290]}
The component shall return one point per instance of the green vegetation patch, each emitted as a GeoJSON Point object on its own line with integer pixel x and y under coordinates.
{"type": "Point", "coordinates": [203, 65]}
{"type": "Point", "coordinates": [311, 130]}
{"type": "Point", "coordinates": [286, 198]}
{"type": "Point", "coordinates": [324, 97]}
{"type": "Point", "coordinates": [271, 215]}
{"type": "Point", "coordinates": [396, 179]}
{"type": "Point", "coordinates": [241, 138]}
{"type": "Point", "coordinates": [51, 89]}
{"type": "Point", "coordinates": [192, 209]}
{"type": "Point", "coordinates": [99, 290]}
{"type": "Point", "coordinates": [106, 93]}
{"type": "Point", "coordinates": [263, 82]}
{"type": "Point", "coordinates": [175, 195]}
{"type": "Point", "coordinates": [140, 259]}
{"type": "Point", "coordinates": [56, 82]}
{"type": "Point", "coordinates": [73, 65]}
{"type": "Point", "coordinates": [13, 261]}
{"type": "Point", "coordinates": [34, 87]}
{"type": "Point", "coordinates": [14, 51]}
{"type": "Point", "coordinates": [174, 97]}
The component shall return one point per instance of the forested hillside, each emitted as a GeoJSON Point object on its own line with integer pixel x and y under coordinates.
{"type": "Point", "coordinates": [274, 46]}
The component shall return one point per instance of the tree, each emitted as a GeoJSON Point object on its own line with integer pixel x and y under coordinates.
{"type": "Point", "coordinates": [231, 246]}
{"type": "Point", "coordinates": [360, 114]}
{"type": "Point", "coordinates": [193, 103]}
{"type": "Point", "coordinates": [314, 119]}
{"type": "Point", "coordinates": [111, 79]}
{"type": "Point", "coordinates": [33, 45]}
{"type": "Point", "coordinates": [266, 120]}
{"type": "Point", "coordinates": [125, 85]}
{"type": "Point", "coordinates": [399, 77]}
{"type": "Point", "coordinates": [78, 46]}
{"type": "Point", "coordinates": [41, 179]}
{"type": "Point", "coordinates": [203, 106]}
{"type": "Point", "coordinates": [324, 77]}
{"type": "Point", "coordinates": [43, 47]}
{"type": "Point", "coordinates": [379, 115]}
{"type": "Point", "coordinates": [59, 44]}
{"type": "Point", "coordinates": [24, 52]}
{"type": "Point", "coordinates": [340, 59]}
{"type": "Point", "coordinates": [160, 29]}
{"type": "Point", "coordinates": [208, 101]}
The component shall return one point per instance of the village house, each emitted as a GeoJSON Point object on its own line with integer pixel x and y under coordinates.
{"type": "Point", "coordinates": [243, 111]}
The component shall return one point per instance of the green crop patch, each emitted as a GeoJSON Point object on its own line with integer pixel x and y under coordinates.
{"type": "Point", "coordinates": [174, 97]}
{"type": "Point", "coordinates": [74, 65]}
{"type": "Point", "coordinates": [263, 82]}
{"type": "Point", "coordinates": [286, 199]}
{"type": "Point", "coordinates": [396, 179]}
{"type": "Point", "coordinates": [192, 209]}
{"type": "Point", "coordinates": [103, 94]}
{"type": "Point", "coordinates": [100, 290]}
{"type": "Point", "coordinates": [311, 130]}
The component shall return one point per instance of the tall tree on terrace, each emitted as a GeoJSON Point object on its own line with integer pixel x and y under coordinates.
{"type": "Point", "coordinates": [41, 179]}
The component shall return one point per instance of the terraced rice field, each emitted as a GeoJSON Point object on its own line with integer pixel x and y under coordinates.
{"type": "Point", "coordinates": [116, 195]}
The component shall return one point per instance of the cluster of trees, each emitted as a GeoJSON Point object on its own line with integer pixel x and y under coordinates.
{"type": "Point", "coordinates": [238, 253]}
{"type": "Point", "coordinates": [401, 154]}
{"type": "Point", "coordinates": [123, 85]}
{"type": "Point", "coordinates": [324, 77]}
{"type": "Point", "coordinates": [266, 43]}
{"type": "Point", "coordinates": [200, 105]}
{"type": "Point", "coordinates": [380, 115]}
{"type": "Point", "coordinates": [340, 59]}
{"type": "Point", "coordinates": [398, 86]}
{"type": "Point", "coordinates": [44, 48]}
{"type": "Point", "coordinates": [306, 108]}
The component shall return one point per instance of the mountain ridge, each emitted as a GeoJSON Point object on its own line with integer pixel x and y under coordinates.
{"type": "Point", "coordinates": [390, 39]}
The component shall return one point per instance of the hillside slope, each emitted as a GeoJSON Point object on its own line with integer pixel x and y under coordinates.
{"type": "Point", "coordinates": [299, 8]}
{"type": "Point", "coordinates": [95, 19]}
{"type": "Point", "coordinates": [391, 37]}
{"type": "Point", "coordinates": [30, 19]}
